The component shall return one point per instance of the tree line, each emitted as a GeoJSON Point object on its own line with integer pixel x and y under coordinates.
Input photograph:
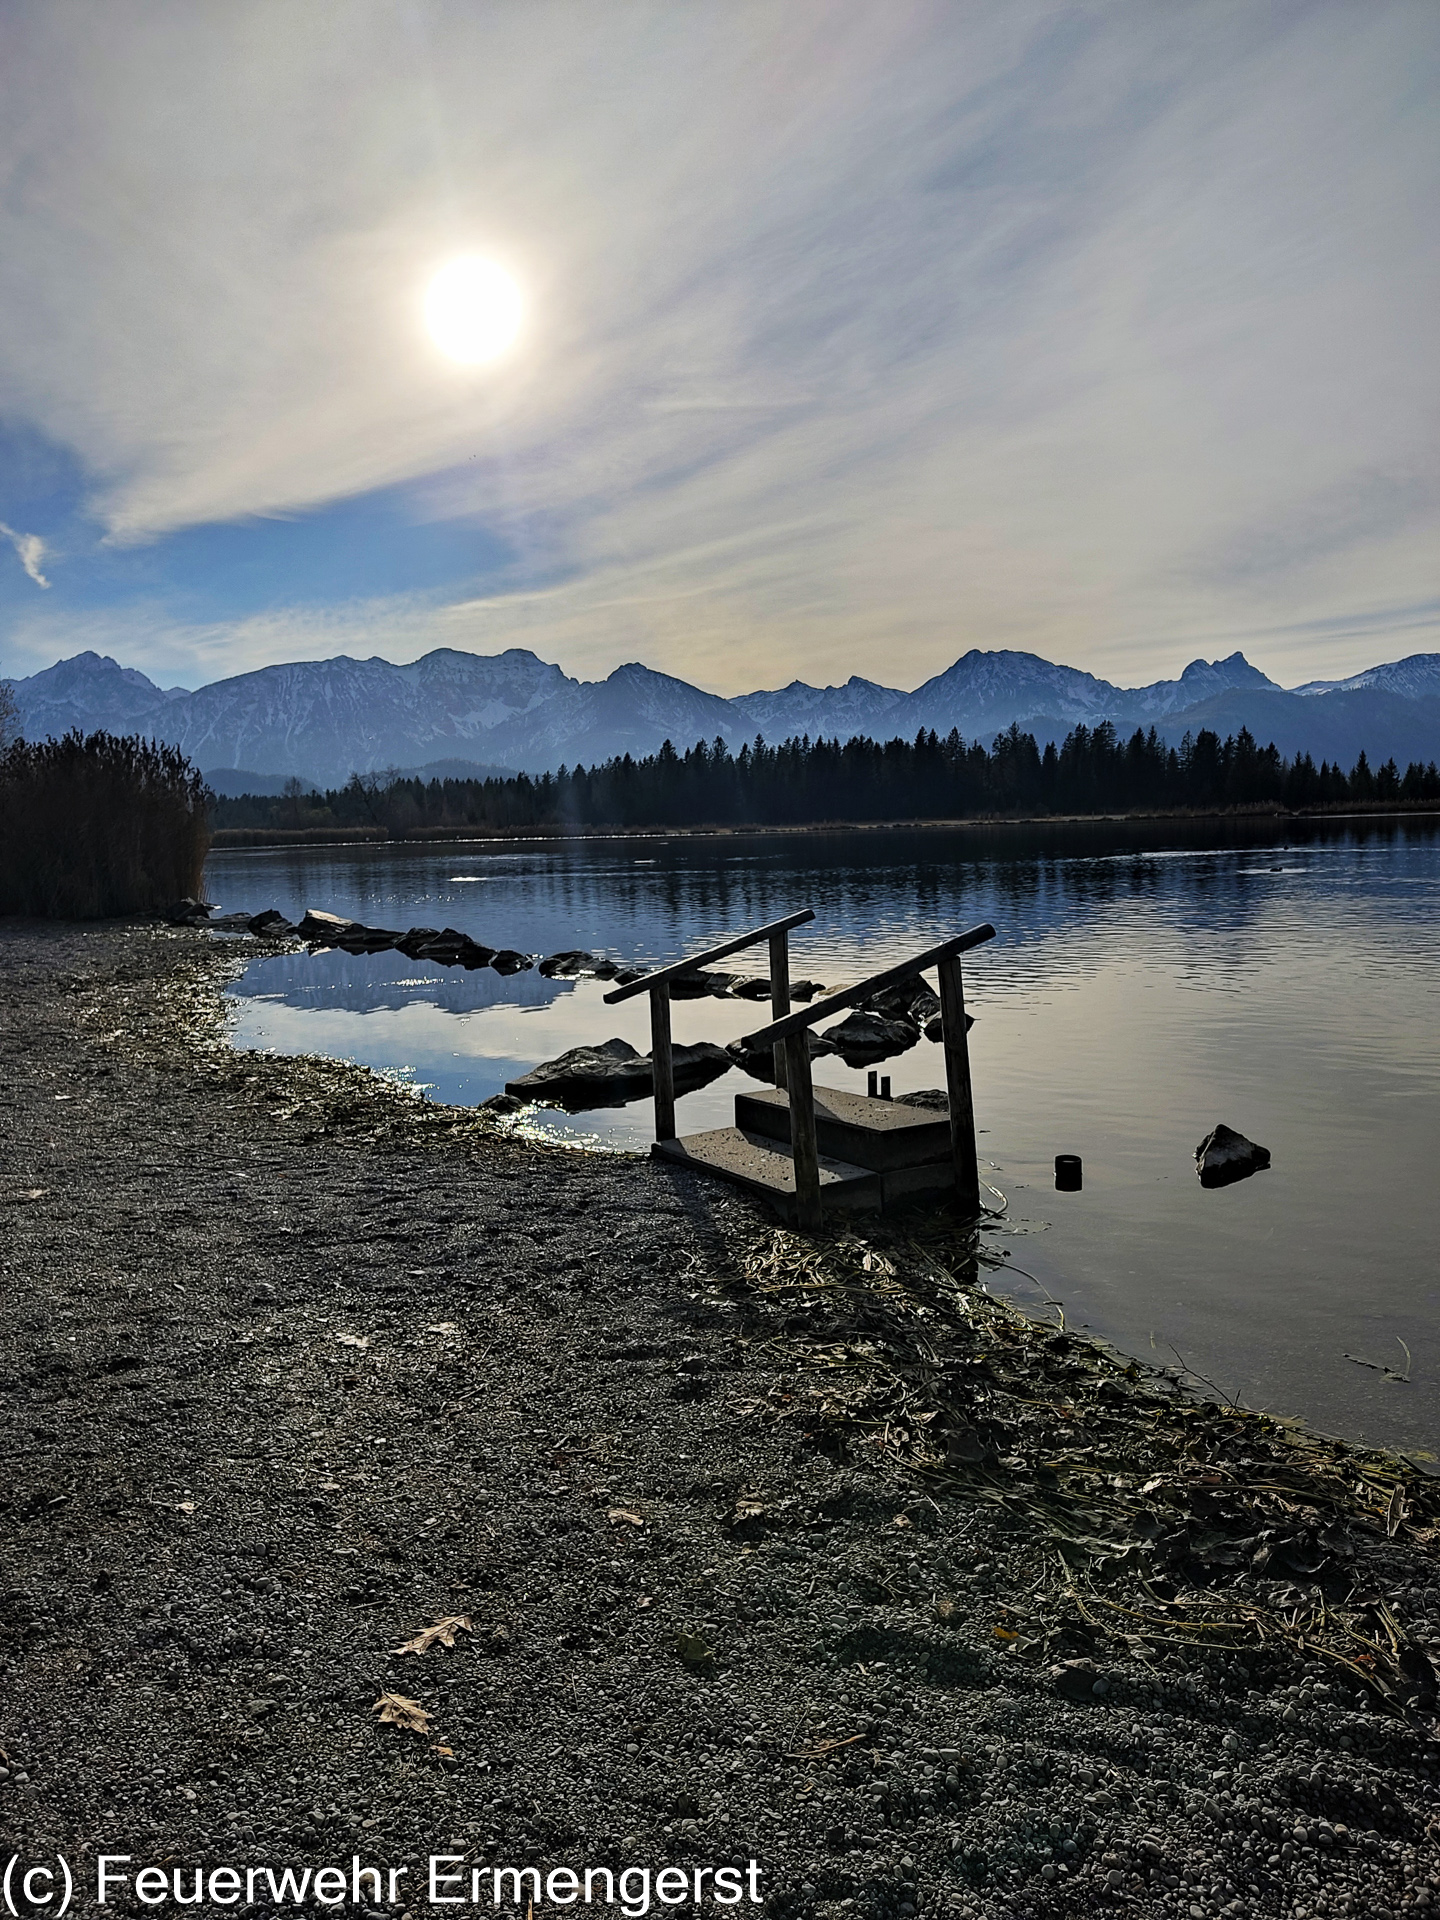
{"type": "Point", "coordinates": [805, 782]}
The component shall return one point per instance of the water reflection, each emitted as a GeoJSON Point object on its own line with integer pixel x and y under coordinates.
{"type": "Point", "coordinates": [1147, 984]}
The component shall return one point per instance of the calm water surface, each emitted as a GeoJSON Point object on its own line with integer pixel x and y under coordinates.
{"type": "Point", "coordinates": [1146, 983]}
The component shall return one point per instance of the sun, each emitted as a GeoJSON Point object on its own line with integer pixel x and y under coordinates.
{"type": "Point", "coordinates": [474, 310]}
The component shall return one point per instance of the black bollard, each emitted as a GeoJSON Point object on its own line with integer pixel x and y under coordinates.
{"type": "Point", "coordinates": [885, 1087]}
{"type": "Point", "coordinates": [1067, 1173]}
{"type": "Point", "coordinates": [872, 1084]}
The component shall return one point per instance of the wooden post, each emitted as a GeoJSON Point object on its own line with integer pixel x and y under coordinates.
{"type": "Point", "coordinates": [662, 1061]}
{"type": "Point", "coordinates": [779, 994]}
{"type": "Point", "coordinates": [957, 1086]}
{"type": "Point", "coordinates": [802, 1132]}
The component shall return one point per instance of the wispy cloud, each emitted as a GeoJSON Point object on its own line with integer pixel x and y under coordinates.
{"type": "Point", "coordinates": [31, 551]}
{"type": "Point", "coordinates": [860, 334]}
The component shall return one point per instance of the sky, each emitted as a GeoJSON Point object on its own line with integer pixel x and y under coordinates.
{"type": "Point", "coordinates": [854, 335]}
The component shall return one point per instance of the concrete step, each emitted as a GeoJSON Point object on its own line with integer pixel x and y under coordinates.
{"type": "Point", "coordinates": [764, 1167]}
{"type": "Point", "coordinates": [883, 1134]}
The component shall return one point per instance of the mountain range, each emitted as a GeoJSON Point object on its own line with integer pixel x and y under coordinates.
{"type": "Point", "coordinates": [326, 719]}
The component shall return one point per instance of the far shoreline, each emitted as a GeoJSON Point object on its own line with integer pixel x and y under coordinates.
{"type": "Point", "coordinates": [231, 839]}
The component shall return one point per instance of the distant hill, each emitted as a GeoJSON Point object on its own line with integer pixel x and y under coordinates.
{"type": "Point", "coordinates": [326, 719]}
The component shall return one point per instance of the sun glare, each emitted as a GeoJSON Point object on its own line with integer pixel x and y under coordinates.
{"type": "Point", "coordinates": [473, 309]}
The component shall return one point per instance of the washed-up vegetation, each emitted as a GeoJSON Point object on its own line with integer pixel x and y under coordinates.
{"type": "Point", "coordinates": [97, 825]}
{"type": "Point", "coordinates": [805, 781]}
{"type": "Point", "coordinates": [1177, 1526]}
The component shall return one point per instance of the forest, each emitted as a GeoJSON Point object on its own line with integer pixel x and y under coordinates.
{"type": "Point", "coordinates": [816, 782]}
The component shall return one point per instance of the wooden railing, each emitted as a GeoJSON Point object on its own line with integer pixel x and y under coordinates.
{"type": "Point", "coordinates": [790, 1032]}
{"type": "Point", "coordinates": [657, 985]}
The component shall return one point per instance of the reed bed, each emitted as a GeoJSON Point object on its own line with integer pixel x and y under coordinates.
{"type": "Point", "coordinates": [97, 826]}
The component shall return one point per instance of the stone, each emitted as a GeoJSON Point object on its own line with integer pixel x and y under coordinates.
{"type": "Point", "coordinates": [502, 1103]}
{"type": "Point", "coordinates": [805, 989]}
{"type": "Point", "coordinates": [861, 1037]}
{"type": "Point", "coordinates": [911, 999]}
{"type": "Point", "coordinates": [935, 1029]}
{"type": "Point", "coordinates": [323, 928]}
{"type": "Point", "coordinates": [272, 923]}
{"type": "Point", "coordinates": [613, 1073]}
{"type": "Point", "coordinates": [229, 923]}
{"type": "Point", "coordinates": [1225, 1156]}
{"type": "Point", "coordinates": [759, 1062]}
{"type": "Point", "coordinates": [755, 987]}
{"type": "Point", "coordinates": [412, 942]}
{"type": "Point", "coordinates": [507, 960]}
{"type": "Point", "coordinates": [696, 986]}
{"type": "Point", "coordinates": [188, 913]}
{"type": "Point", "coordinates": [1075, 1680]}
{"type": "Point", "coordinates": [932, 1099]}
{"type": "Point", "coordinates": [361, 939]}
{"type": "Point", "coordinates": [565, 966]}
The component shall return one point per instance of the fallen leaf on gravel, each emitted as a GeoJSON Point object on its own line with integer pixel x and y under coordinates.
{"type": "Point", "coordinates": [441, 1634]}
{"type": "Point", "coordinates": [360, 1340]}
{"type": "Point", "coordinates": [32, 1193]}
{"type": "Point", "coordinates": [443, 1326]}
{"type": "Point", "coordinates": [395, 1709]}
{"type": "Point", "coordinates": [617, 1515]}
{"type": "Point", "coordinates": [693, 1650]}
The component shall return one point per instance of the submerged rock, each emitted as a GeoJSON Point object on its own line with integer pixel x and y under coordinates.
{"type": "Point", "coordinates": [861, 1037]}
{"type": "Point", "coordinates": [613, 1073]}
{"type": "Point", "coordinates": [1225, 1155]}
{"type": "Point", "coordinates": [565, 966]}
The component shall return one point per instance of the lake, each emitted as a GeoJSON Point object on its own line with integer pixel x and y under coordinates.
{"type": "Point", "coordinates": [1148, 981]}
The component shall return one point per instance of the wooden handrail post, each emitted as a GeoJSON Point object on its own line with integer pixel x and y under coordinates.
{"type": "Point", "coordinates": [779, 994]}
{"type": "Point", "coordinates": [662, 1061]}
{"type": "Point", "coordinates": [803, 1148]}
{"type": "Point", "coordinates": [957, 1086]}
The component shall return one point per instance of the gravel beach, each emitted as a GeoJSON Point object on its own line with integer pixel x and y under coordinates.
{"type": "Point", "coordinates": [294, 1367]}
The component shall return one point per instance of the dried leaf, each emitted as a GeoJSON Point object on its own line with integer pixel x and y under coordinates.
{"type": "Point", "coordinates": [443, 1326]}
{"type": "Point", "coordinates": [441, 1634]}
{"type": "Point", "coordinates": [619, 1516]}
{"type": "Point", "coordinates": [360, 1340]}
{"type": "Point", "coordinates": [693, 1650]}
{"type": "Point", "coordinates": [409, 1715]}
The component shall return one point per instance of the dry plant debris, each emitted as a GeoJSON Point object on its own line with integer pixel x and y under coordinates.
{"type": "Point", "coordinates": [396, 1710]}
{"type": "Point", "coordinates": [441, 1633]}
{"type": "Point", "coordinates": [1175, 1523]}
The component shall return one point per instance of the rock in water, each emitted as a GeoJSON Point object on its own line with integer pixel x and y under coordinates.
{"type": "Point", "coordinates": [1224, 1155]}
{"type": "Point", "coordinates": [911, 1000]}
{"type": "Point", "coordinates": [863, 1037]}
{"type": "Point", "coordinates": [567, 965]}
{"type": "Point", "coordinates": [613, 1073]}
{"type": "Point", "coordinates": [935, 1029]}
{"type": "Point", "coordinates": [324, 929]}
